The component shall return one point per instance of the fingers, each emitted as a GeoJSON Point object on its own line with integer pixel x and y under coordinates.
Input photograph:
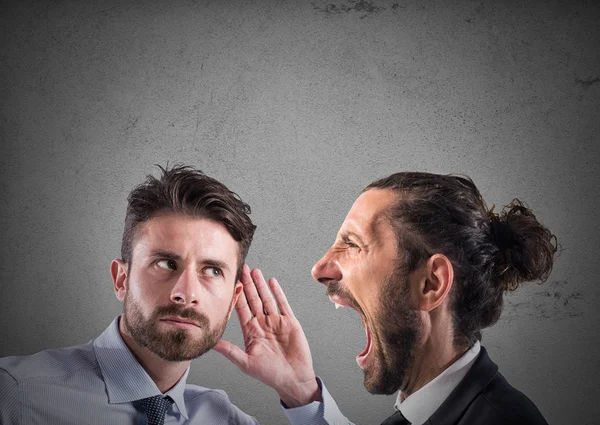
{"type": "Point", "coordinates": [254, 301]}
{"type": "Point", "coordinates": [268, 302]}
{"type": "Point", "coordinates": [280, 297]}
{"type": "Point", "coordinates": [233, 353]}
{"type": "Point", "coordinates": [259, 297]}
{"type": "Point", "coordinates": [243, 309]}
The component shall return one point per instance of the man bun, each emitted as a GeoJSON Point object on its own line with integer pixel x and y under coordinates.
{"type": "Point", "coordinates": [525, 247]}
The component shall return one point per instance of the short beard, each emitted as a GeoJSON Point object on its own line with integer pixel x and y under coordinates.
{"type": "Point", "coordinates": [399, 330]}
{"type": "Point", "coordinates": [175, 345]}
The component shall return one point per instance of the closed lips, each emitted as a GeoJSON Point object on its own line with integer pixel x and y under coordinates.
{"type": "Point", "coordinates": [180, 320]}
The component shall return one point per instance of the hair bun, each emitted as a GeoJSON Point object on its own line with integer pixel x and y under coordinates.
{"type": "Point", "coordinates": [502, 234]}
{"type": "Point", "coordinates": [525, 247]}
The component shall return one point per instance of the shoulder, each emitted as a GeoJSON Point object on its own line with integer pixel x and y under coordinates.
{"type": "Point", "coordinates": [207, 402]}
{"type": "Point", "coordinates": [501, 403]}
{"type": "Point", "coordinates": [194, 392]}
{"type": "Point", "coordinates": [49, 363]}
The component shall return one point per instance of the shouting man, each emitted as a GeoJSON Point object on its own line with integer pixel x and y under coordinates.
{"type": "Point", "coordinates": [425, 264]}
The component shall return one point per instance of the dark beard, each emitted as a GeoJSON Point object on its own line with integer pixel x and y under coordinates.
{"type": "Point", "coordinates": [398, 330]}
{"type": "Point", "coordinates": [175, 345]}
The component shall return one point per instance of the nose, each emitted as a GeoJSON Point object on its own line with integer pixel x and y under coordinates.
{"type": "Point", "coordinates": [186, 288]}
{"type": "Point", "coordinates": [327, 270]}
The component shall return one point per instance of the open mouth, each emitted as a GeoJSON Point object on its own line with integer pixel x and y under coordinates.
{"type": "Point", "coordinates": [361, 358]}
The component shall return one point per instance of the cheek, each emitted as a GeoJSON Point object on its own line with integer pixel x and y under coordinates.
{"type": "Point", "coordinates": [365, 285]}
{"type": "Point", "coordinates": [216, 312]}
{"type": "Point", "coordinates": [218, 289]}
{"type": "Point", "coordinates": [137, 298]}
{"type": "Point", "coordinates": [145, 295]}
{"type": "Point", "coordinates": [217, 297]}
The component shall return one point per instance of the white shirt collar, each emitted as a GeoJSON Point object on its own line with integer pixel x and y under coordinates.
{"type": "Point", "coordinates": [421, 404]}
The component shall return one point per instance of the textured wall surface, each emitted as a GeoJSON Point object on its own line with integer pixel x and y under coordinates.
{"type": "Point", "coordinates": [296, 106]}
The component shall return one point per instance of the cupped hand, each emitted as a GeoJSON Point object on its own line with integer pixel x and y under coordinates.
{"type": "Point", "coordinates": [276, 350]}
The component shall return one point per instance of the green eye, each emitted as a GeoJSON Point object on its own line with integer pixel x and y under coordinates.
{"type": "Point", "coordinates": [167, 264]}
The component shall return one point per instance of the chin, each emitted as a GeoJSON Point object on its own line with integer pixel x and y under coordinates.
{"type": "Point", "coordinates": [381, 383]}
{"type": "Point", "coordinates": [383, 377]}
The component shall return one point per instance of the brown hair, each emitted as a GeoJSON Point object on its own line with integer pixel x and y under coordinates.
{"type": "Point", "coordinates": [490, 253]}
{"type": "Point", "coordinates": [185, 190]}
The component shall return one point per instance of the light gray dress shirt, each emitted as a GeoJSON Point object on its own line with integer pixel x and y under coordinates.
{"type": "Point", "coordinates": [98, 383]}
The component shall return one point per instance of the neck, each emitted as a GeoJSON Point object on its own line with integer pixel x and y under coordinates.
{"type": "Point", "coordinates": [164, 373]}
{"type": "Point", "coordinates": [434, 355]}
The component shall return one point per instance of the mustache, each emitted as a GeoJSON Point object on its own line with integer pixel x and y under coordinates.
{"type": "Point", "coordinates": [184, 313]}
{"type": "Point", "coordinates": [335, 288]}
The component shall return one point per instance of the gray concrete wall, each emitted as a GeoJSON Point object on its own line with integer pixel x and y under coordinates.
{"type": "Point", "coordinates": [297, 105]}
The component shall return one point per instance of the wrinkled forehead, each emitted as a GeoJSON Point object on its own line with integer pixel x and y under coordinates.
{"type": "Point", "coordinates": [179, 231]}
{"type": "Point", "coordinates": [369, 216]}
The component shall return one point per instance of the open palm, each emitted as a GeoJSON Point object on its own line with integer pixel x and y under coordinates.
{"type": "Point", "coordinates": [276, 350]}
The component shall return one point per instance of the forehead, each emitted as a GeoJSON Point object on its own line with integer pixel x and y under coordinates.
{"type": "Point", "coordinates": [183, 234]}
{"type": "Point", "coordinates": [369, 215]}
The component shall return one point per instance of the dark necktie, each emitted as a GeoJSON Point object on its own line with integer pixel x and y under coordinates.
{"type": "Point", "coordinates": [155, 408]}
{"type": "Point", "coordinates": [396, 419]}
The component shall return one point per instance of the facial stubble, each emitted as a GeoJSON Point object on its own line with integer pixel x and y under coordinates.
{"type": "Point", "coordinates": [398, 329]}
{"type": "Point", "coordinates": [173, 345]}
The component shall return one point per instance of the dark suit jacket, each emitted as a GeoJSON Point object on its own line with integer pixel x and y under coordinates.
{"type": "Point", "coordinates": [484, 397]}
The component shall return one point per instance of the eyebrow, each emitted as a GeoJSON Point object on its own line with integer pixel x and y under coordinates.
{"type": "Point", "coordinates": [165, 254]}
{"type": "Point", "coordinates": [211, 262]}
{"type": "Point", "coordinates": [215, 263]}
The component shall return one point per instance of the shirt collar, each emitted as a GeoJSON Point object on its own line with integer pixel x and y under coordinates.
{"type": "Point", "coordinates": [125, 379]}
{"type": "Point", "coordinates": [421, 404]}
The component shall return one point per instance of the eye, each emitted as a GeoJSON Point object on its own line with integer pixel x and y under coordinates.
{"type": "Point", "coordinates": [213, 272]}
{"type": "Point", "coordinates": [351, 244]}
{"type": "Point", "coordinates": [167, 264]}
{"type": "Point", "coordinates": [347, 242]}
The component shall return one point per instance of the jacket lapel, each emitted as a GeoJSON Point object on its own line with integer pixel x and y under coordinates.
{"type": "Point", "coordinates": [477, 378]}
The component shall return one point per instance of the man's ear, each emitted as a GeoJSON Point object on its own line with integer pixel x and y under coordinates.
{"type": "Point", "coordinates": [236, 294]}
{"type": "Point", "coordinates": [118, 271]}
{"type": "Point", "coordinates": [438, 275]}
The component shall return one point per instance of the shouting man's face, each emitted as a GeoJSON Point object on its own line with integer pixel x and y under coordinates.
{"type": "Point", "coordinates": [362, 271]}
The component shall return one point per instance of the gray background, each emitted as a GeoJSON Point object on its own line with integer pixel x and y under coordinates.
{"type": "Point", "coordinates": [296, 106]}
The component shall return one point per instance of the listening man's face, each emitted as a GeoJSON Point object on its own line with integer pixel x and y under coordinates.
{"type": "Point", "coordinates": [361, 271]}
{"type": "Point", "coordinates": [180, 286]}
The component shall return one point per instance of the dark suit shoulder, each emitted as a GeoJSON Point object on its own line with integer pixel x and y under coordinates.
{"type": "Point", "coordinates": [501, 403]}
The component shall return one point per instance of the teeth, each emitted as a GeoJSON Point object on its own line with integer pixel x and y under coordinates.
{"type": "Point", "coordinates": [337, 305]}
